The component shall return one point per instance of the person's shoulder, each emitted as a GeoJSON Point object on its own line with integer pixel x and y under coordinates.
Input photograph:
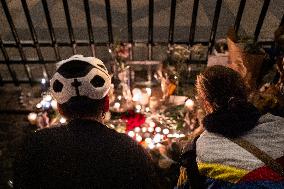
{"type": "Point", "coordinates": [270, 121]}
{"type": "Point", "coordinates": [50, 130]}
{"type": "Point", "coordinates": [267, 118]}
{"type": "Point", "coordinates": [41, 134]}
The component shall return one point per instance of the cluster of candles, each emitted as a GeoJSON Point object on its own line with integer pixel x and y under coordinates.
{"type": "Point", "coordinates": [141, 99]}
{"type": "Point", "coordinates": [150, 135]}
{"type": "Point", "coordinates": [47, 103]}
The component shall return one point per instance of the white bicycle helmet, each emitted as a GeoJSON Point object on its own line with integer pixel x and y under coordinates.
{"type": "Point", "coordinates": [93, 81]}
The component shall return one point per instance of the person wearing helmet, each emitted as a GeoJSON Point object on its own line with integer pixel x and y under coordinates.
{"type": "Point", "coordinates": [84, 153]}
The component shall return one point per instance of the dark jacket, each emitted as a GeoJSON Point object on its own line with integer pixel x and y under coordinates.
{"type": "Point", "coordinates": [83, 154]}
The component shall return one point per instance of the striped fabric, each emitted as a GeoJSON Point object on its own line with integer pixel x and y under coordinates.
{"type": "Point", "coordinates": [227, 165]}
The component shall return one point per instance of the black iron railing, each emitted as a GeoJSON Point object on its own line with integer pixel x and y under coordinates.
{"type": "Point", "coordinates": [74, 43]}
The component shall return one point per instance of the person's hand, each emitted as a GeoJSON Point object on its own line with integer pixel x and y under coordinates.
{"type": "Point", "coordinates": [188, 160]}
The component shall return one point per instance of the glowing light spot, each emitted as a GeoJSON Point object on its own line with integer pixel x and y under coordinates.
{"type": "Point", "coordinates": [131, 134]}
{"type": "Point", "coordinates": [158, 129]}
{"type": "Point", "coordinates": [62, 120]}
{"type": "Point", "coordinates": [166, 131]}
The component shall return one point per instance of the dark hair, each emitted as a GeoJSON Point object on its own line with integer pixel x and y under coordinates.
{"type": "Point", "coordinates": [223, 92]}
{"type": "Point", "coordinates": [217, 85]}
{"type": "Point", "coordinates": [82, 106]}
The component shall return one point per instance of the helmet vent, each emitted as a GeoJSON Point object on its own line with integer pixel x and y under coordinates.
{"type": "Point", "coordinates": [97, 81]}
{"type": "Point", "coordinates": [57, 86]}
{"type": "Point", "coordinates": [75, 69]}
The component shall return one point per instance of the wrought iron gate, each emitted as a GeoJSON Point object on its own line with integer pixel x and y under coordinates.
{"type": "Point", "coordinates": [74, 43]}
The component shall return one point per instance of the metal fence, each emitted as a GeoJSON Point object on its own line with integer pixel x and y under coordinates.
{"type": "Point", "coordinates": [73, 43]}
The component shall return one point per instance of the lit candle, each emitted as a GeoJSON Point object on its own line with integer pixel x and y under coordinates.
{"type": "Point", "coordinates": [152, 124]}
{"type": "Point", "coordinates": [39, 105]}
{"type": "Point", "coordinates": [144, 99]}
{"type": "Point", "coordinates": [131, 134]}
{"type": "Point", "coordinates": [32, 118]}
{"type": "Point", "coordinates": [62, 120]}
{"type": "Point", "coordinates": [166, 131]}
{"type": "Point", "coordinates": [148, 140]}
{"type": "Point", "coordinates": [138, 138]}
{"type": "Point", "coordinates": [137, 129]}
{"type": "Point", "coordinates": [144, 129]}
{"type": "Point", "coordinates": [189, 104]}
{"type": "Point", "coordinates": [157, 138]}
{"type": "Point", "coordinates": [150, 129]}
{"type": "Point", "coordinates": [138, 108]}
{"type": "Point", "coordinates": [116, 106]}
{"type": "Point", "coordinates": [137, 94]}
{"type": "Point", "coordinates": [54, 104]}
{"type": "Point", "coordinates": [149, 91]}
{"type": "Point", "coordinates": [47, 98]}
{"type": "Point", "coordinates": [158, 129]}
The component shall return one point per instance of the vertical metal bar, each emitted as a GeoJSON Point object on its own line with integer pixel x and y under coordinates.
{"type": "Point", "coordinates": [51, 30]}
{"type": "Point", "coordinates": [282, 21]}
{"type": "Point", "coordinates": [130, 36]}
{"type": "Point", "coordinates": [35, 39]}
{"type": "Point", "coordinates": [6, 58]}
{"type": "Point", "coordinates": [109, 25]}
{"type": "Point", "coordinates": [17, 40]}
{"type": "Point", "coordinates": [89, 25]}
{"type": "Point", "coordinates": [129, 21]}
{"type": "Point", "coordinates": [1, 80]}
{"type": "Point", "coordinates": [172, 22]}
{"type": "Point", "coordinates": [261, 19]}
{"type": "Point", "coordinates": [239, 15]}
{"type": "Point", "coordinates": [193, 22]}
{"type": "Point", "coordinates": [214, 26]}
{"type": "Point", "coordinates": [69, 25]}
{"type": "Point", "coordinates": [150, 29]}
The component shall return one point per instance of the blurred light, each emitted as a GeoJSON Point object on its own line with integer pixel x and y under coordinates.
{"type": "Point", "coordinates": [151, 146]}
{"type": "Point", "coordinates": [170, 136]}
{"type": "Point", "coordinates": [137, 94]}
{"type": "Point", "coordinates": [181, 135]}
{"type": "Point", "coordinates": [119, 97]}
{"type": "Point", "coordinates": [54, 104]}
{"type": "Point", "coordinates": [137, 129]}
{"type": "Point", "coordinates": [147, 109]}
{"type": "Point", "coordinates": [189, 103]}
{"type": "Point", "coordinates": [144, 129]}
{"type": "Point", "coordinates": [150, 129]}
{"type": "Point", "coordinates": [138, 107]}
{"type": "Point", "coordinates": [62, 120]}
{"type": "Point", "coordinates": [176, 135]}
{"type": "Point", "coordinates": [47, 104]}
{"type": "Point", "coordinates": [32, 116]}
{"type": "Point", "coordinates": [116, 105]}
{"type": "Point", "coordinates": [47, 98]}
{"type": "Point", "coordinates": [157, 138]}
{"type": "Point", "coordinates": [149, 91]}
{"type": "Point", "coordinates": [43, 81]}
{"type": "Point", "coordinates": [131, 134]}
{"type": "Point", "coordinates": [152, 124]}
{"type": "Point", "coordinates": [148, 140]}
{"type": "Point", "coordinates": [138, 138]}
{"type": "Point", "coordinates": [166, 131]}
{"type": "Point", "coordinates": [158, 129]}
{"type": "Point", "coordinates": [38, 105]}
